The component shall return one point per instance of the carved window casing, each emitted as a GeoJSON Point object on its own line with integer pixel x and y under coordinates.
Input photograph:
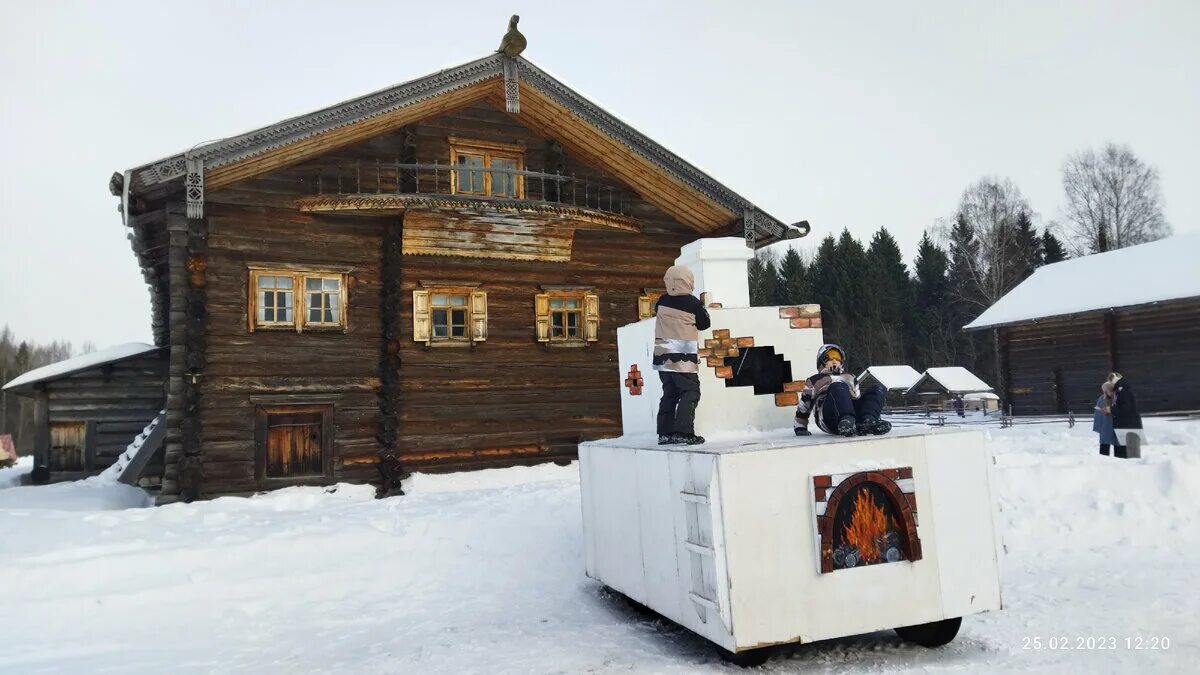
{"type": "Point", "coordinates": [472, 159]}
{"type": "Point", "coordinates": [296, 299]}
{"type": "Point", "coordinates": [448, 315]}
{"type": "Point", "coordinates": [647, 300]}
{"type": "Point", "coordinates": [567, 317]}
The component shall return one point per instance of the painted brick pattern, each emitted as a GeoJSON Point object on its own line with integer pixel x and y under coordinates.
{"type": "Point", "coordinates": [634, 381]}
{"type": "Point", "coordinates": [897, 482]}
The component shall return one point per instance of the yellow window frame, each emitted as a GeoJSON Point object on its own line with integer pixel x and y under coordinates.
{"type": "Point", "coordinates": [488, 150]}
{"type": "Point", "coordinates": [299, 321]}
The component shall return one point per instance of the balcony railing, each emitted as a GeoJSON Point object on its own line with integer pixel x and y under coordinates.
{"type": "Point", "coordinates": [384, 178]}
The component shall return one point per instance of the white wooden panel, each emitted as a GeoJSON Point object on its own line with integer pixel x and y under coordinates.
{"type": "Point", "coordinates": [657, 531]}
{"type": "Point", "coordinates": [964, 523]}
{"type": "Point", "coordinates": [615, 523]}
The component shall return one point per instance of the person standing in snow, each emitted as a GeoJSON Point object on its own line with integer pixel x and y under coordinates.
{"type": "Point", "coordinates": [1102, 421]}
{"type": "Point", "coordinates": [1125, 417]}
{"type": "Point", "coordinates": [679, 316]}
{"type": "Point", "coordinates": [840, 407]}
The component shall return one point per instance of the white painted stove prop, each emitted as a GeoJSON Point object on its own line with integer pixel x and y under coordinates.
{"type": "Point", "coordinates": [759, 537]}
{"type": "Point", "coordinates": [753, 360]}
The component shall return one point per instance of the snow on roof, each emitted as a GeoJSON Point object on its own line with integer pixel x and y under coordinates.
{"type": "Point", "coordinates": [88, 361]}
{"type": "Point", "coordinates": [1161, 270]}
{"type": "Point", "coordinates": [892, 377]}
{"type": "Point", "coordinates": [954, 379]}
{"type": "Point", "coordinates": [981, 396]}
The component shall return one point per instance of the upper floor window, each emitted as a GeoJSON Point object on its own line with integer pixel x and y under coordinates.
{"type": "Point", "coordinates": [471, 160]}
{"type": "Point", "coordinates": [567, 316]}
{"type": "Point", "coordinates": [292, 299]}
{"type": "Point", "coordinates": [448, 315]}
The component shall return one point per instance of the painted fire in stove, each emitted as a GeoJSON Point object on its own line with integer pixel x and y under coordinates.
{"type": "Point", "coordinates": [866, 518]}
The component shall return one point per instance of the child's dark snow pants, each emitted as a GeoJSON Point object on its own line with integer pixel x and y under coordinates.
{"type": "Point", "coordinates": [838, 403]}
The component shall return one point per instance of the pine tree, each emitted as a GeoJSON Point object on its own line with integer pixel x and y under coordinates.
{"type": "Point", "coordinates": [890, 299]}
{"type": "Point", "coordinates": [822, 283]}
{"type": "Point", "coordinates": [763, 279]}
{"type": "Point", "coordinates": [857, 311]}
{"type": "Point", "coordinates": [793, 280]}
{"type": "Point", "coordinates": [1026, 254]}
{"type": "Point", "coordinates": [1052, 249]}
{"type": "Point", "coordinates": [933, 338]}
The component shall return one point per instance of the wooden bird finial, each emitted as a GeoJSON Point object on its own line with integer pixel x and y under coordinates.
{"type": "Point", "coordinates": [513, 42]}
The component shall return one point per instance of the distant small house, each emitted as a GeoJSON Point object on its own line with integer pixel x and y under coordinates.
{"type": "Point", "coordinates": [984, 402]}
{"type": "Point", "coordinates": [938, 385]}
{"type": "Point", "coordinates": [8, 450]}
{"type": "Point", "coordinates": [88, 409]}
{"type": "Point", "coordinates": [895, 379]}
{"type": "Point", "coordinates": [1135, 311]}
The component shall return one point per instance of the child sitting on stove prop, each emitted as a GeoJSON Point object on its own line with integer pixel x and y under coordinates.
{"type": "Point", "coordinates": [840, 407]}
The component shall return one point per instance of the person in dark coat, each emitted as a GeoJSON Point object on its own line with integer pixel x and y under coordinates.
{"type": "Point", "coordinates": [679, 316]}
{"type": "Point", "coordinates": [840, 407]}
{"type": "Point", "coordinates": [1102, 421]}
{"type": "Point", "coordinates": [1124, 413]}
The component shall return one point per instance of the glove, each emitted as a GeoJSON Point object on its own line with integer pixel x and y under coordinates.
{"type": "Point", "coordinates": [801, 431]}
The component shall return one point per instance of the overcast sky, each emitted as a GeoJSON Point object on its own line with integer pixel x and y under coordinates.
{"type": "Point", "coordinates": [848, 117]}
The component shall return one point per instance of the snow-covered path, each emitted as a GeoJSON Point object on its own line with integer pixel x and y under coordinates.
{"type": "Point", "coordinates": [483, 573]}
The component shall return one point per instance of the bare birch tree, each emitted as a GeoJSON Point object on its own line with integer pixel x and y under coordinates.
{"type": "Point", "coordinates": [1113, 201]}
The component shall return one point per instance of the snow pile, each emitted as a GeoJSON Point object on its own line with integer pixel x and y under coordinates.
{"type": "Point", "coordinates": [1154, 272]}
{"type": "Point", "coordinates": [892, 377]}
{"type": "Point", "coordinates": [12, 476]}
{"type": "Point", "coordinates": [81, 363]}
{"type": "Point", "coordinates": [113, 473]}
{"type": "Point", "coordinates": [483, 573]}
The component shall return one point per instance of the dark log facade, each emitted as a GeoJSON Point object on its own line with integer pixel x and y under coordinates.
{"type": "Point", "coordinates": [1056, 366]}
{"type": "Point", "coordinates": [363, 194]}
{"type": "Point", "coordinates": [509, 400]}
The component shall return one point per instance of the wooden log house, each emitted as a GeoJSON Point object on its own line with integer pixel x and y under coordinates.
{"type": "Point", "coordinates": [429, 277]}
{"type": "Point", "coordinates": [1135, 311]}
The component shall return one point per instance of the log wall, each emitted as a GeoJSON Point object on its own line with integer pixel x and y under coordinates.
{"type": "Point", "coordinates": [1057, 366]}
{"type": "Point", "coordinates": [506, 401]}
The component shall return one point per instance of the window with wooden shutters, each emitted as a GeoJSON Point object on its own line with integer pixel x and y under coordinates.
{"type": "Point", "coordinates": [445, 315]}
{"type": "Point", "coordinates": [567, 317]}
{"type": "Point", "coordinates": [294, 441]}
{"type": "Point", "coordinates": [296, 300]}
{"type": "Point", "coordinates": [68, 446]}
{"type": "Point", "coordinates": [647, 300]}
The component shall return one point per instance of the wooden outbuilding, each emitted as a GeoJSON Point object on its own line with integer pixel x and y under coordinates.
{"type": "Point", "coordinates": [1135, 311]}
{"type": "Point", "coordinates": [894, 379]}
{"type": "Point", "coordinates": [88, 409]}
{"type": "Point", "coordinates": [942, 385]}
{"type": "Point", "coordinates": [429, 277]}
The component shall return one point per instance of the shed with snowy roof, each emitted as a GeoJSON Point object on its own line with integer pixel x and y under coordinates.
{"type": "Point", "coordinates": [937, 385]}
{"type": "Point", "coordinates": [88, 409]}
{"type": "Point", "coordinates": [1135, 310]}
{"type": "Point", "coordinates": [895, 379]}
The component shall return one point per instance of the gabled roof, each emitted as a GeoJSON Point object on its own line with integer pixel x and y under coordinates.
{"type": "Point", "coordinates": [69, 367]}
{"type": "Point", "coordinates": [584, 129]}
{"type": "Point", "coordinates": [892, 377]}
{"type": "Point", "coordinates": [951, 379]}
{"type": "Point", "coordinates": [1167, 269]}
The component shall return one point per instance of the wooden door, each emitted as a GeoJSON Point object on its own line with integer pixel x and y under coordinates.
{"type": "Point", "coordinates": [294, 443]}
{"type": "Point", "coordinates": [68, 446]}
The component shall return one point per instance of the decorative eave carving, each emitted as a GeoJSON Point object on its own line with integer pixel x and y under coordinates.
{"type": "Point", "coordinates": [549, 213]}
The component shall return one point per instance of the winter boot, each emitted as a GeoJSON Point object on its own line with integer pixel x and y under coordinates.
{"type": "Point", "coordinates": [873, 426]}
{"type": "Point", "coordinates": [846, 426]}
{"type": "Point", "coordinates": [690, 439]}
{"type": "Point", "coordinates": [669, 439]}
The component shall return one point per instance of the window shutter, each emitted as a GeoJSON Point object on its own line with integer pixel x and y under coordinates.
{"type": "Point", "coordinates": [541, 311]}
{"type": "Point", "coordinates": [591, 304]}
{"type": "Point", "coordinates": [645, 308]}
{"type": "Point", "coordinates": [478, 316]}
{"type": "Point", "coordinates": [422, 321]}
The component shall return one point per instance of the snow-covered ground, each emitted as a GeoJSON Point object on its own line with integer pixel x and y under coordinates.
{"type": "Point", "coordinates": [483, 573]}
